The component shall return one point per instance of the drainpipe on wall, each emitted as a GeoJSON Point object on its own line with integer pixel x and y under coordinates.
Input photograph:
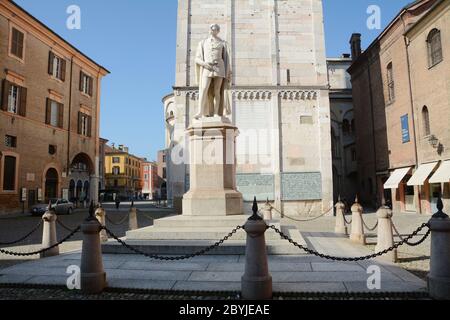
{"type": "Point", "coordinates": [70, 116]}
{"type": "Point", "coordinates": [411, 98]}
{"type": "Point", "coordinates": [373, 129]}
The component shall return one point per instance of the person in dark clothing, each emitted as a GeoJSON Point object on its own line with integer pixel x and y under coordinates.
{"type": "Point", "coordinates": [117, 203]}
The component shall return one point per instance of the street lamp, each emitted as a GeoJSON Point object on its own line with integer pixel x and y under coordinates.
{"type": "Point", "coordinates": [433, 141]}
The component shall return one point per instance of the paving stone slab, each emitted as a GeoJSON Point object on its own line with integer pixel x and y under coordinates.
{"type": "Point", "coordinates": [273, 266]}
{"type": "Point", "coordinates": [147, 275]}
{"type": "Point", "coordinates": [335, 266]}
{"type": "Point", "coordinates": [340, 276]}
{"type": "Point", "coordinates": [48, 280]}
{"type": "Point", "coordinates": [14, 278]}
{"type": "Point", "coordinates": [207, 285]}
{"type": "Point", "coordinates": [140, 284]}
{"type": "Point", "coordinates": [387, 286]}
{"type": "Point", "coordinates": [164, 266]}
{"type": "Point", "coordinates": [309, 287]}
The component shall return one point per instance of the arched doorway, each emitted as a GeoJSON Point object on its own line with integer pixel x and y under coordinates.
{"type": "Point", "coordinates": [86, 191]}
{"type": "Point", "coordinates": [72, 190]}
{"type": "Point", "coordinates": [79, 190]}
{"type": "Point", "coordinates": [51, 184]}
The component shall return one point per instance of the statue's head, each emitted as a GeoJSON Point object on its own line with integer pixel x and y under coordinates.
{"type": "Point", "coordinates": [214, 29]}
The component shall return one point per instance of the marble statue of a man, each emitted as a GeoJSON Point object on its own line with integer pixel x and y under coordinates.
{"type": "Point", "coordinates": [213, 74]}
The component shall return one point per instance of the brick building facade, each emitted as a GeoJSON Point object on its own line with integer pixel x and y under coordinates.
{"type": "Point", "coordinates": [50, 109]}
{"type": "Point", "coordinates": [401, 96]}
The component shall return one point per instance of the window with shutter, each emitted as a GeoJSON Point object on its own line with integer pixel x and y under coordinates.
{"type": "Point", "coordinates": [9, 173]}
{"type": "Point", "coordinates": [50, 62]}
{"type": "Point", "coordinates": [48, 111]}
{"type": "Point", "coordinates": [13, 101]}
{"type": "Point", "coordinates": [5, 95]}
{"type": "Point", "coordinates": [17, 43]}
{"type": "Point", "coordinates": [23, 101]}
{"type": "Point", "coordinates": [60, 115]}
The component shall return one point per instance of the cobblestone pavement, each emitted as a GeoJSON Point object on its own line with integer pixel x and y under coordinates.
{"type": "Point", "coordinates": [414, 259]}
{"type": "Point", "coordinates": [15, 226]}
{"type": "Point", "coordinates": [15, 293]}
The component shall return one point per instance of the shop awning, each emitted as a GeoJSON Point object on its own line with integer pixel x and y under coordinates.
{"type": "Point", "coordinates": [442, 174]}
{"type": "Point", "coordinates": [396, 177]}
{"type": "Point", "coordinates": [422, 173]}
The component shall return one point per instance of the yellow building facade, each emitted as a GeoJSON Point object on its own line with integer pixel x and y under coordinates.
{"type": "Point", "coordinates": [123, 172]}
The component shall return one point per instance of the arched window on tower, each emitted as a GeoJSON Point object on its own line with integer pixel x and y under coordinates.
{"type": "Point", "coordinates": [434, 47]}
{"type": "Point", "coordinates": [390, 82]}
{"type": "Point", "coordinates": [426, 121]}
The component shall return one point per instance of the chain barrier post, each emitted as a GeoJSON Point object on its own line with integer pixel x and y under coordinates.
{"type": "Point", "coordinates": [256, 283]}
{"type": "Point", "coordinates": [49, 233]}
{"type": "Point", "coordinates": [340, 226]}
{"type": "Point", "coordinates": [385, 236]}
{"type": "Point", "coordinates": [267, 211]}
{"type": "Point", "coordinates": [100, 214]}
{"type": "Point", "coordinates": [357, 234]}
{"type": "Point", "coordinates": [439, 276]}
{"type": "Point", "coordinates": [93, 276]}
{"type": "Point", "coordinates": [132, 220]}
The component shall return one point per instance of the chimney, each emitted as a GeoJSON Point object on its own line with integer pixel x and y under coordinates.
{"type": "Point", "coordinates": [121, 147]}
{"type": "Point", "coordinates": [355, 44]}
{"type": "Point", "coordinates": [346, 55]}
{"type": "Point", "coordinates": [125, 149]}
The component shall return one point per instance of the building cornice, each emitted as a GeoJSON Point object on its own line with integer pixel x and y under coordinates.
{"type": "Point", "coordinates": [261, 93]}
{"type": "Point", "coordinates": [17, 15]}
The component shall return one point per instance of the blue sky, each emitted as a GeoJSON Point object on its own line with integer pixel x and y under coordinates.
{"type": "Point", "coordinates": [136, 41]}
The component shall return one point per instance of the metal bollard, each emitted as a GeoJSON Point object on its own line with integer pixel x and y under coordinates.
{"type": "Point", "coordinates": [132, 220]}
{"type": "Point", "coordinates": [256, 283]}
{"type": "Point", "coordinates": [340, 226]}
{"type": "Point", "coordinates": [49, 233]}
{"type": "Point", "coordinates": [385, 237]}
{"type": "Point", "coordinates": [439, 276]}
{"type": "Point", "coordinates": [267, 211]}
{"type": "Point", "coordinates": [100, 214]}
{"type": "Point", "coordinates": [357, 234]}
{"type": "Point", "coordinates": [93, 276]}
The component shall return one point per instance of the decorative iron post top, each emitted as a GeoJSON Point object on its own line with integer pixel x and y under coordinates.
{"type": "Point", "coordinates": [440, 214]}
{"type": "Point", "coordinates": [255, 216]}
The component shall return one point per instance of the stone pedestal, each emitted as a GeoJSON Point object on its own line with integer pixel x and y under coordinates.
{"type": "Point", "coordinates": [385, 237]}
{"type": "Point", "coordinates": [357, 234]}
{"type": "Point", "coordinates": [439, 277]}
{"type": "Point", "coordinates": [49, 234]}
{"type": "Point", "coordinates": [212, 145]}
{"type": "Point", "coordinates": [340, 226]}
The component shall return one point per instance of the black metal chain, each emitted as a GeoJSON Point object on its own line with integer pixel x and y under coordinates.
{"type": "Point", "coordinates": [63, 225]}
{"type": "Point", "coordinates": [24, 237]}
{"type": "Point", "coordinates": [369, 229]}
{"type": "Point", "coordinates": [345, 220]}
{"type": "Point", "coordinates": [163, 258]}
{"type": "Point", "coordinates": [411, 244]}
{"type": "Point", "coordinates": [296, 219]}
{"type": "Point", "coordinates": [122, 221]}
{"type": "Point", "coordinates": [371, 256]}
{"type": "Point", "coordinates": [21, 254]}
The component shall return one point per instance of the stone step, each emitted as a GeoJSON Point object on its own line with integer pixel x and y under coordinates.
{"type": "Point", "coordinates": [231, 247]}
{"type": "Point", "coordinates": [190, 233]}
{"type": "Point", "coordinates": [235, 246]}
{"type": "Point", "coordinates": [183, 221]}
